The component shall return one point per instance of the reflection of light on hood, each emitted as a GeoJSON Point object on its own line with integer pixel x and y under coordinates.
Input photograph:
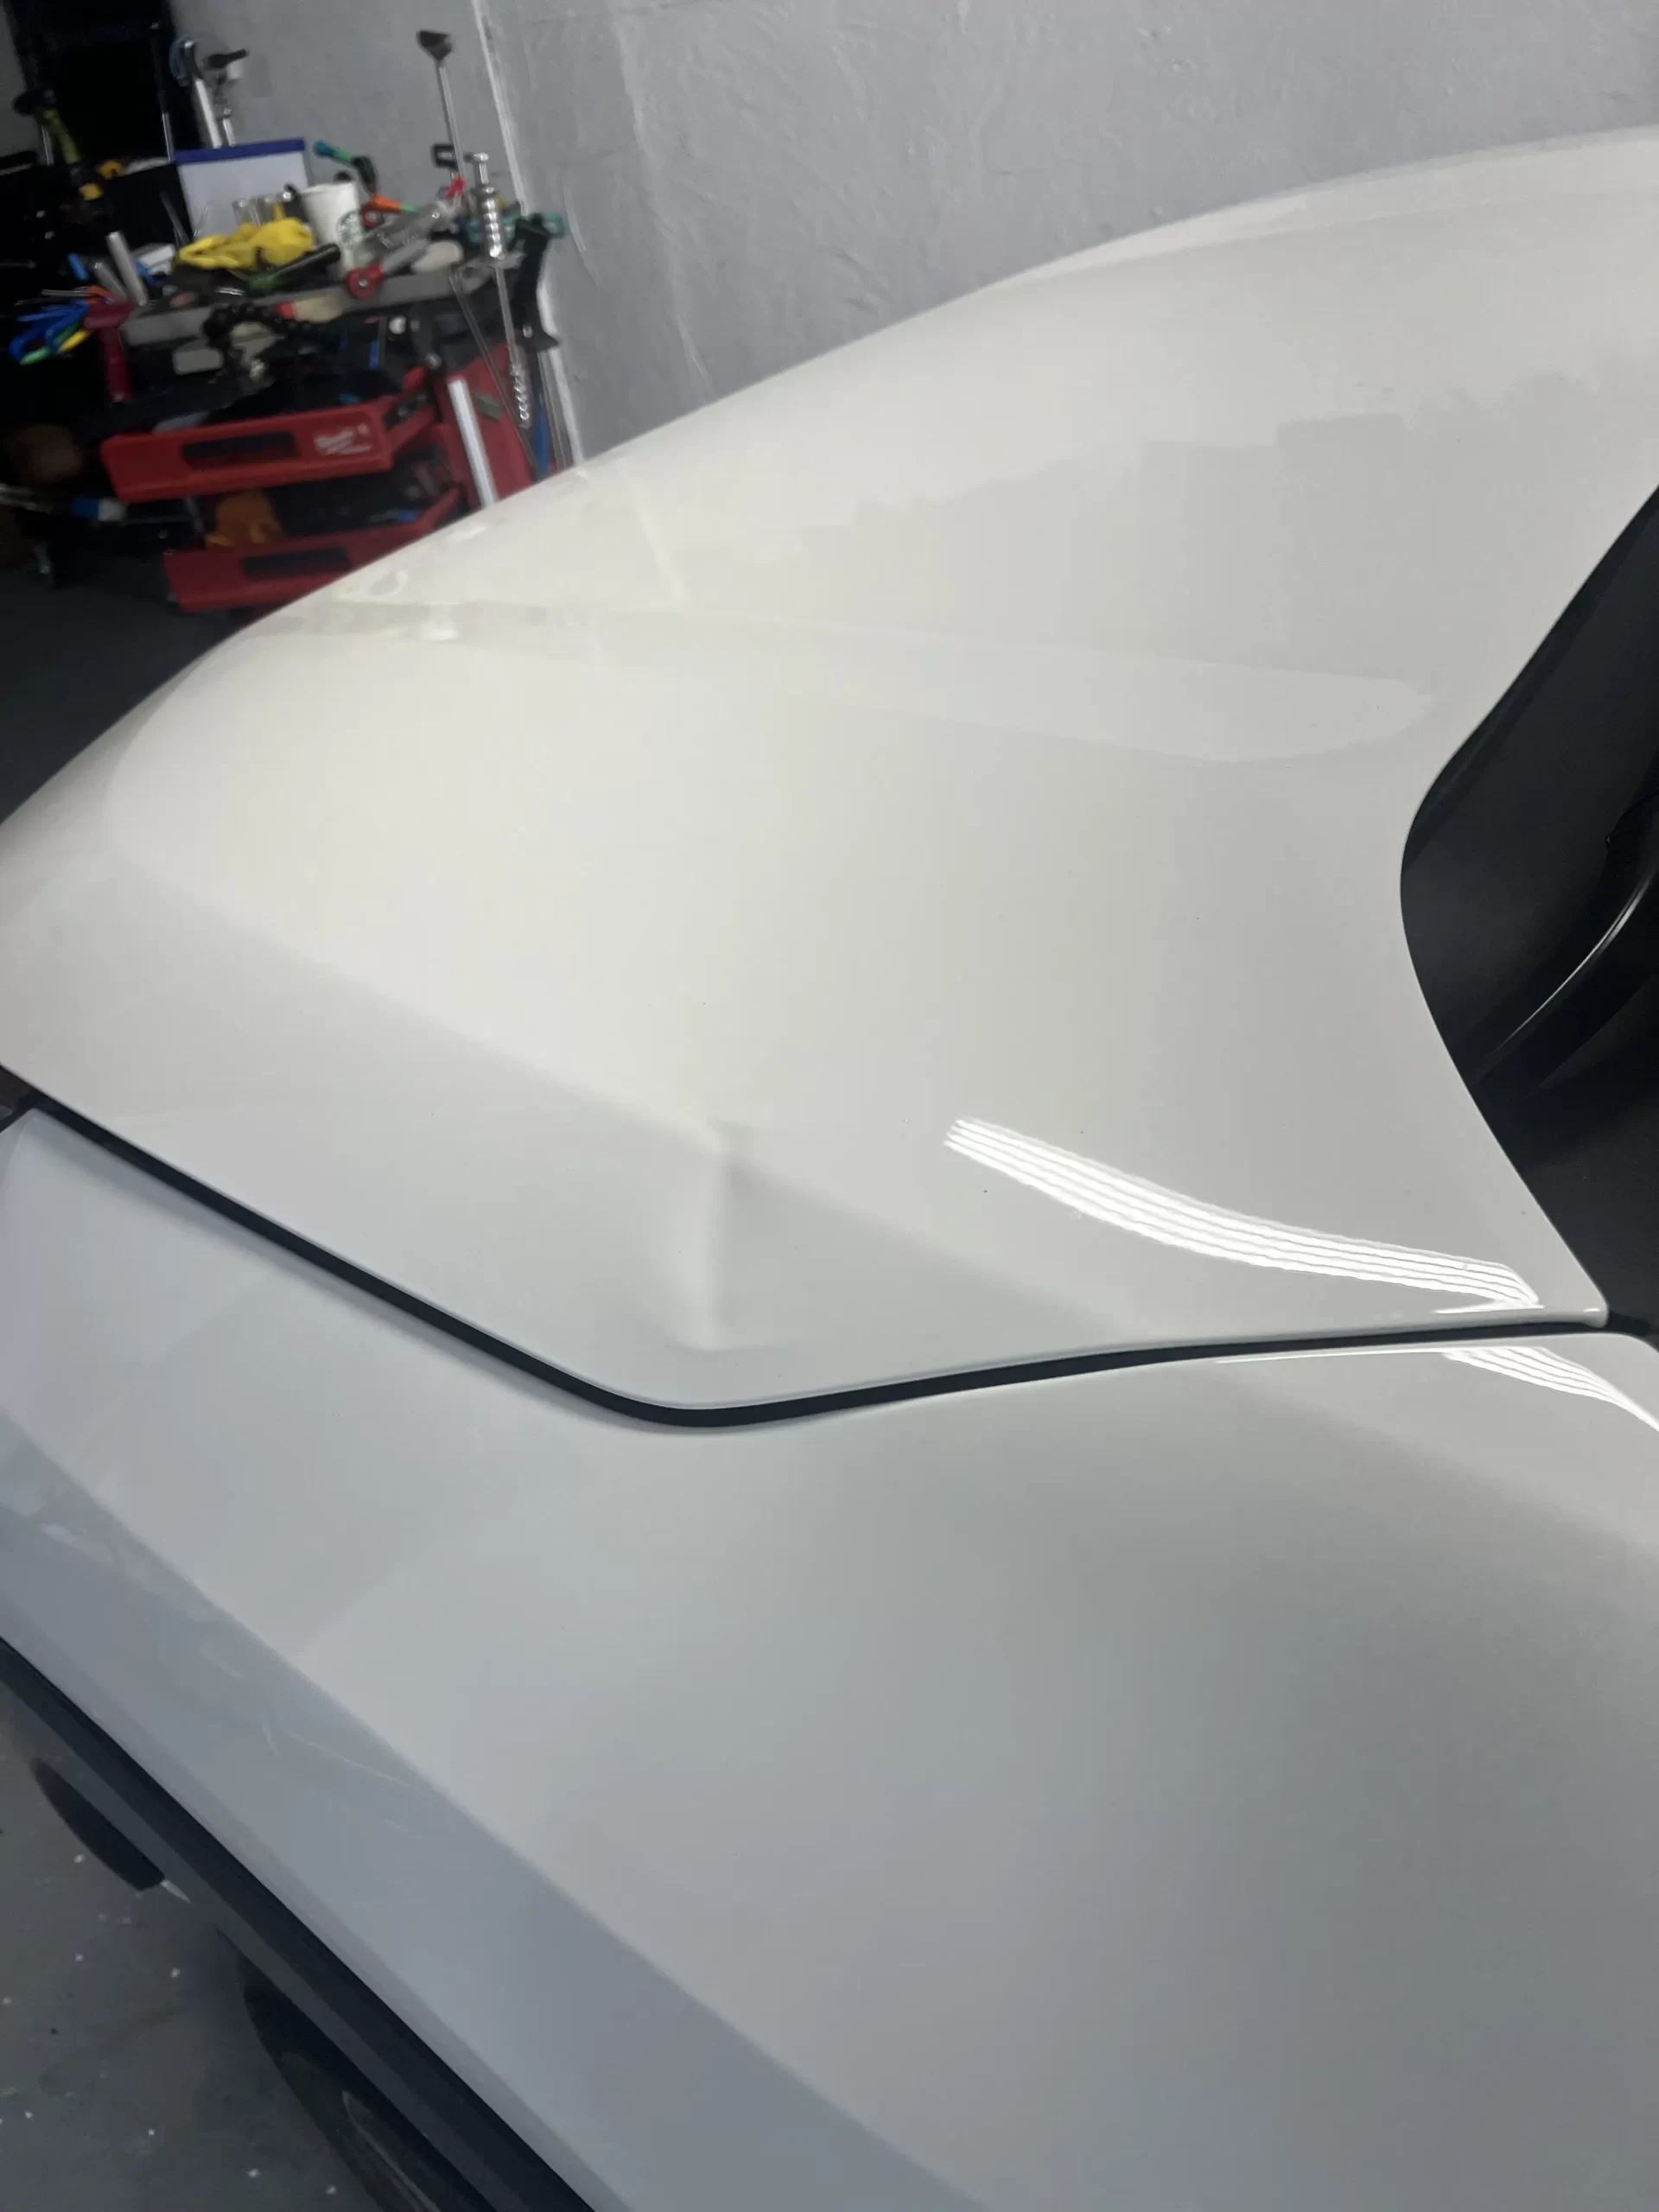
{"type": "Point", "coordinates": [1534, 1364]}
{"type": "Point", "coordinates": [1147, 1210]}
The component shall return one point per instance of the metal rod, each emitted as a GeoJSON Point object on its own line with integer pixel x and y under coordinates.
{"type": "Point", "coordinates": [127, 269]}
{"type": "Point", "coordinates": [213, 131]}
{"type": "Point", "coordinates": [448, 113]}
{"type": "Point", "coordinates": [472, 440]}
{"type": "Point", "coordinates": [440, 45]}
{"type": "Point", "coordinates": [555, 405]}
{"type": "Point", "coordinates": [566, 433]}
{"type": "Point", "coordinates": [481, 345]}
{"type": "Point", "coordinates": [488, 45]}
{"type": "Point", "coordinates": [188, 63]}
{"type": "Point", "coordinates": [487, 212]}
{"type": "Point", "coordinates": [485, 353]}
{"type": "Point", "coordinates": [167, 147]}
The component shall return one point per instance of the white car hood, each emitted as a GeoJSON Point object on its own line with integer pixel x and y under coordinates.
{"type": "Point", "coordinates": [898, 874]}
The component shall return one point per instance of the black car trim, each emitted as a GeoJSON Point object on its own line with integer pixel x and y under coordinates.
{"type": "Point", "coordinates": [653, 1414]}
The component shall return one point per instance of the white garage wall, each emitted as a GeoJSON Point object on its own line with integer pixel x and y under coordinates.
{"type": "Point", "coordinates": [350, 72]}
{"type": "Point", "coordinates": [750, 182]}
{"type": "Point", "coordinates": [17, 132]}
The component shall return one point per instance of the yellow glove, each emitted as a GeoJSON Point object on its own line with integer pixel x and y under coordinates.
{"type": "Point", "coordinates": [261, 246]}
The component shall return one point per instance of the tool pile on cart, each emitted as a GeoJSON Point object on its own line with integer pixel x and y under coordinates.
{"type": "Point", "coordinates": [308, 373]}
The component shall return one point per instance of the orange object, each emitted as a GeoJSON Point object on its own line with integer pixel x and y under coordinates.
{"type": "Point", "coordinates": [244, 519]}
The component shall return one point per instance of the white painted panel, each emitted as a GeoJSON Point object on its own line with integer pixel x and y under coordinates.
{"type": "Point", "coordinates": [1227, 1783]}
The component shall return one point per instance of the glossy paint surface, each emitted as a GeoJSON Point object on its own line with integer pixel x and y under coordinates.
{"type": "Point", "coordinates": [899, 872]}
{"type": "Point", "coordinates": [1228, 1784]}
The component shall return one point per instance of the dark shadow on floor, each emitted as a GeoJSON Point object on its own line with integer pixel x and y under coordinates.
{"type": "Point", "coordinates": [72, 662]}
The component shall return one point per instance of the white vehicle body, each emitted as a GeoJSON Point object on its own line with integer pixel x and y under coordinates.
{"type": "Point", "coordinates": [754, 1322]}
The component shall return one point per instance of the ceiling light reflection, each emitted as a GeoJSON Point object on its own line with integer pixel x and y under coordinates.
{"type": "Point", "coordinates": [1536, 1364]}
{"type": "Point", "coordinates": [1144, 1209]}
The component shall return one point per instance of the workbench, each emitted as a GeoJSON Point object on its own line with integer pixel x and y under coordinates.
{"type": "Point", "coordinates": [421, 431]}
{"type": "Point", "coordinates": [161, 325]}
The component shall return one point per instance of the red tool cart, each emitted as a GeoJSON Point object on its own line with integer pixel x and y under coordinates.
{"type": "Point", "coordinates": [284, 500]}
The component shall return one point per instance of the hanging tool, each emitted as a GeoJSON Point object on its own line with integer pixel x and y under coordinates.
{"type": "Point", "coordinates": [41, 107]}
{"type": "Point", "coordinates": [208, 83]}
{"type": "Point", "coordinates": [532, 236]}
{"type": "Point", "coordinates": [501, 408]}
{"type": "Point", "coordinates": [364, 283]}
{"type": "Point", "coordinates": [187, 68]}
{"type": "Point", "coordinates": [405, 239]}
{"type": "Point", "coordinates": [439, 44]}
{"type": "Point", "coordinates": [366, 172]}
{"type": "Point", "coordinates": [223, 70]}
{"type": "Point", "coordinates": [163, 105]}
{"type": "Point", "coordinates": [488, 213]}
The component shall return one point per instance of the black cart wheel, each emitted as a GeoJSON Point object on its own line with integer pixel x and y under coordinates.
{"type": "Point", "coordinates": [397, 2169]}
{"type": "Point", "coordinates": [60, 556]}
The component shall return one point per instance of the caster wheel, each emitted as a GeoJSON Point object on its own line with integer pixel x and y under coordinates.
{"type": "Point", "coordinates": [57, 566]}
{"type": "Point", "coordinates": [396, 2168]}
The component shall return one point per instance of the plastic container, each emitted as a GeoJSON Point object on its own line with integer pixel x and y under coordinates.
{"type": "Point", "coordinates": [214, 178]}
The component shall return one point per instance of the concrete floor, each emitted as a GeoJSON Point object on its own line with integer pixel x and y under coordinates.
{"type": "Point", "coordinates": [130, 2080]}
{"type": "Point", "coordinates": [72, 662]}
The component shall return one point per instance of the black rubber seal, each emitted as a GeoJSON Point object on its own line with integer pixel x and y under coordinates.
{"type": "Point", "coordinates": [651, 1413]}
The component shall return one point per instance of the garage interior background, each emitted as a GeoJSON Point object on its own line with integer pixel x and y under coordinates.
{"type": "Point", "coordinates": [750, 182]}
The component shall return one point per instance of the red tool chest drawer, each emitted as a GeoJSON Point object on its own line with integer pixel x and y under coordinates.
{"type": "Point", "coordinates": [212, 577]}
{"type": "Point", "coordinates": [247, 456]}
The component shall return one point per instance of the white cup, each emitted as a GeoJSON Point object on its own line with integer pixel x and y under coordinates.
{"type": "Point", "coordinates": [332, 210]}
